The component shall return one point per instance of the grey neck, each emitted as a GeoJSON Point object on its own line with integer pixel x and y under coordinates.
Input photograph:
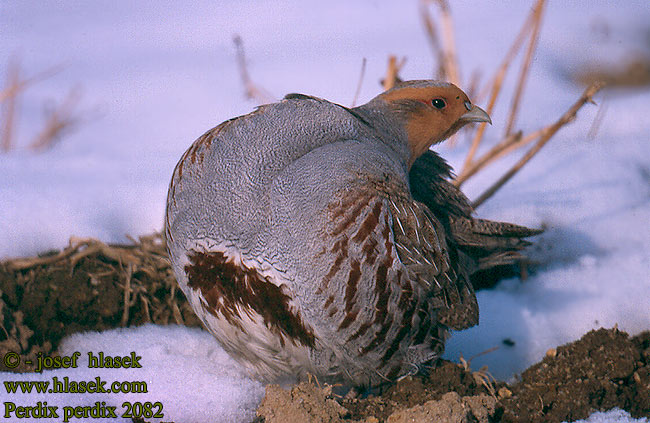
{"type": "Point", "coordinates": [387, 126]}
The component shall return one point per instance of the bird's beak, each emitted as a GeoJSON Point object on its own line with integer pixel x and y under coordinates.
{"type": "Point", "coordinates": [475, 114]}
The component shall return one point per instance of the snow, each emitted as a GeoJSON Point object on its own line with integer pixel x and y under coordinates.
{"type": "Point", "coordinates": [614, 415]}
{"type": "Point", "coordinates": [152, 76]}
{"type": "Point", "coordinates": [183, 369]}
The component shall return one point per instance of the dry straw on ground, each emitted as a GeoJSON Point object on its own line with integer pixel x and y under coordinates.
{"type": "Point", "coordinates": [146, 255]}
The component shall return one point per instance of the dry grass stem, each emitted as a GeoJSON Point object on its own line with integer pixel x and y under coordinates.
{"type": "Point", "coordinates": [505, 147]}
{"type": "Point", "coordinates": [77, 249]}
{"type": "Point", "coordinates": [9, 105]}
{"type": "Point", "coordinates": [432, 35]}
{"type": "Point", "coordinates": [525, 68]}
{"type": "Point", "coordinates": [445, 51]}
{"type": "Point", "coordinates": [499, 74]}
{"type": "Point", "coordinates": [12, 89]}
{"type": "Point", "coordinates": [127, 295]}
{"type": "Point", "coordinates": [253, 91]}
{"type": "Point", "coordinates": [59, 119]}
{"type": "Point", "coordinates": [497, 83]}
{"type": "Point", "coordinates": [518, 141]}
{"type": "Point", "coordinates": [451, 60]}
{"type": "Point", "coordinates": [392, 72]}
{"type": "Point", "coordinates": [484, 160]}
{"type": "Point", "coordinates": [566, 118]}
{"type": "Point", "coordinates": [145, 306]}
{"type": "Point", "coordinates": [360, 82]}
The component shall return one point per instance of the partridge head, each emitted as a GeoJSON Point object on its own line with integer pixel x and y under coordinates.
{"type": "Point", "coordinates": [431, 112]}
{"type": "Point", "coordinates": [315, 239]}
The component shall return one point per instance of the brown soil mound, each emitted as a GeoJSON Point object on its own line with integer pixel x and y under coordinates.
{"type": "Point", "coordinates": [87, 286]}
{"type": "Point", "coordinates": [604, 369]}
{"type": "Point", "coordinates": [94, 286]}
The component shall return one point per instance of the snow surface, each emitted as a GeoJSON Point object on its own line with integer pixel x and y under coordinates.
{"type": "Point", "coordinates": [614, 415]}
{"type": "Point", "coordinates": [155, 75]}
{"type": "Point", "coordinates": [183, 368]}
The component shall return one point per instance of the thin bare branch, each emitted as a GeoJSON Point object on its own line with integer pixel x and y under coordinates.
{"type": "Point", "coordinates": [569, 116]}
{"type": "Point", "coordinates": [59, 119]}
{"type": "Point", "coordinates": [509, 144]}
{"type": "Point", "coordinates": [483, 161]}
{"type": "Point", "coordinates": [523, 75]}
{"type": "Point", "coordinates": [253, 92]}
{"type": "Point", "coordinates": [12, 89]}
{"type": "Point", "coordinates": [496, 88]}
{"type": "Point", "coordinates": [392, 72]}
{"type": "Point", "coordinates": [128, 273]}
{"type": "Point", "coordinates": [360, 82]}
{"type": "Point", "coordinates": [511, 53]}
{"type": "Point", "coordinates": [9, 106]}
{"type": "Point", "coordinates": [434, 41]}
{"type": "Point", "coordinates": [77, 249]}
{"type": "Point", "coordinates": [451, 59]}
{"type": "Point", "coordinates": [445, 51]}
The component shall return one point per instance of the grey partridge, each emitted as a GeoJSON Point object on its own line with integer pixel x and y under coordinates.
{"type": "Point", "coordinates": [315, 239]}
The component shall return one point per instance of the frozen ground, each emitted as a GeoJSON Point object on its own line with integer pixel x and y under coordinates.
{"type": "Point", "coordinates": [155, 75]}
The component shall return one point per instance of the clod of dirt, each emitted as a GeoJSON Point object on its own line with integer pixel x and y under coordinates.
{"type": "Point", "coordinates": [417, 390]}
{"type": "Point", "coordinates": [305, 402]}
{"type": "Point", "coordinates": [451, 408]}
{"type": "Point", "coordinates": [603, 370]}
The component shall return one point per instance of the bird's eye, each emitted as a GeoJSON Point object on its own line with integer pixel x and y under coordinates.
{"type": "Point", "coordinates": [438, 103]}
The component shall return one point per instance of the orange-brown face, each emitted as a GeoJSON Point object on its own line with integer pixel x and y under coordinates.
{"type": "Point", "coordinates": [433, 113]}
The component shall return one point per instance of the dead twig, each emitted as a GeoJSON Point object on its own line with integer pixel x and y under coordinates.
{"type": "Point", "coordinates": [127, 295]}
{"type": "Point", "coordinates": [9, 105]}
{"type": "Point", "coordinates": [473, 168]}
{"type": "Point", "coordinates": [482, 376]}
{"type": "Point", "coordinates": [12, 89]}
{"type": "Point", "coordinates": [359, 83]}
{"type": "Point", "coordinates": [392, 72]}
{"type": "Point", "coordinates": [444, 51]}
{"type": "Point", "coordinates": [569, 116]}
{"type": "Point", "coordinates": [451, 60]}
{"type": "Point", "coordinates": [59, 119]}
{"type": "Point", "coordinates": [505, 147]}
{"type": "Point", "coordinates": [253, 91]}
{"type": "Point", "coordinates": [523, 75]}
{"type": "Point", "coordinates": [77, 249]}
{"type": "Point", "coordinates": [497, 83]}
{"type": "Point", "coordinates": [432, 35]}
{"type": "Point", "coordinates": [147, 312]}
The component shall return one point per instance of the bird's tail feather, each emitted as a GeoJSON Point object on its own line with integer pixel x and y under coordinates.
{"type": "Point", "coordinates": [491, 243]}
